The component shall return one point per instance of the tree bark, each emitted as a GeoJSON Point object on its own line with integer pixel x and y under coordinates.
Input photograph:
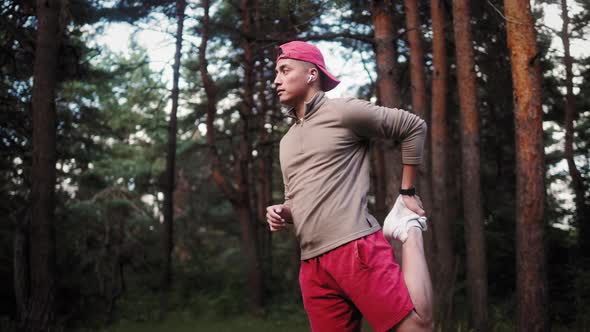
{"type": "Point", "coordinates": [530, 188]}
{"type": "Point", "coordinates": [440, 149]}
{"type": "Point", "coordinates": [387, 91]}
{"type": "Point", "coordinates": [472, 209]}
{"type": "Point", "coordinates": [578, 186]}
{"type": "Point", "coordinates": [386, 54]}
{"type": "Point", "coordinates": [419, 106]}
{"type": "Point", "coordinates": [168, 231]}
{"type": "Point", "coordinates": [387, 180]}
{"type": "Point", "coordinates": [41, 307]}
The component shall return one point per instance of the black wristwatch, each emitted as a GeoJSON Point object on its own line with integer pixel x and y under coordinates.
{"type": "Point", "coordinates": [408, 192]}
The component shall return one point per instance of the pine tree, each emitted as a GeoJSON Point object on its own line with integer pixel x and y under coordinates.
{"type": "Point", "coordinates": [530, 172]}
{"type": "Point", "coordinates": [170, 183]}
{"type": "Point", "coordinates": [443, 278]}
{"type": "Point", "coordinates": [41, 305]}
{"type": "Point", "coordinates": [472, 207]}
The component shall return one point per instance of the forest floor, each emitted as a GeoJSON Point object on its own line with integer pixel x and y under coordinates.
{"type": "Point", "coordinates": [243, 323]}
{"type": "Point", "coordinates": [294, 321]}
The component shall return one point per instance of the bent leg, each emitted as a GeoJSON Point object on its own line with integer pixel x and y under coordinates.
{"type": "Point", "coordinates": [375, 282]}
{"type": "Point", "coordinates": [417, 280]}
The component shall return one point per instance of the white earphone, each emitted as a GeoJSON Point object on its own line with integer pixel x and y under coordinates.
{"type": "Point", "coordinates": [311, 77]}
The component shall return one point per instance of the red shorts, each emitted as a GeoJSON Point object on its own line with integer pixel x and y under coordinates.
{"type": "Point", "coordinates": [356, 280]}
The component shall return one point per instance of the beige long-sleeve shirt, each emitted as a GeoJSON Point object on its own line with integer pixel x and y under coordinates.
{"type": "Point", "coordinates": [325, 163]}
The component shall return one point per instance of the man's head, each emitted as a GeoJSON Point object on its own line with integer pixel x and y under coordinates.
{"type": "Point", "coordinates": [300, 69]}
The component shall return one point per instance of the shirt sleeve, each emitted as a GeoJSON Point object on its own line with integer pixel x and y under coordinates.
{"type": "Point", "coordinates": [367, 120]}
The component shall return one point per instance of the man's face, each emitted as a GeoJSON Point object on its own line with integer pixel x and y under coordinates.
{"type": "Point", "coordinates": [291, 80]}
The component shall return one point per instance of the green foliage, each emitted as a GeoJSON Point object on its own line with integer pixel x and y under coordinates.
{"type": "Point", "coordinates": [101, 241]}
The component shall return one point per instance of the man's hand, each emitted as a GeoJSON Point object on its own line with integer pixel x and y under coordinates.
{"type": "Point", "coordinates": [277, 217]}
{"type": "Point", "coordinates": [415, 204]}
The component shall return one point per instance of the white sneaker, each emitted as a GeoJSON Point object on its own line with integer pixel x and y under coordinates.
{"type": "Point", "coordinates": [399, 220]}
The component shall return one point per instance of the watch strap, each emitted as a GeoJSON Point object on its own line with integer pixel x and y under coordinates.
{"type": "Point", "coordinates": [408, 192]}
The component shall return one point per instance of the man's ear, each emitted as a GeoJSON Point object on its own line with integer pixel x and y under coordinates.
{"type": "Point", "coordinates": [314, 71]}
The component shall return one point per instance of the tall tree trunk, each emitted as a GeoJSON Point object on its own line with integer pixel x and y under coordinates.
{"type": "Point", "coordinates": [440, 149]}
{"type": "Point", "coordinates": [582, 210]}
{"type": "Point", "coordinates": [168, 231]}
{"type": "Point", "coordinates": [418, 89]}
{"type": "Point", "coordinates": [420, 108]}
{"type": "Point", "coordinates": [387, 180]}
{"type": "Point", "coordinates": [472, 209]}
{"type": "Point", "coordinates": [530, 188]}
{"type": "Point", "coordinates": [51, 23]}
{"type": "Point", "coordinates": [386, 54]}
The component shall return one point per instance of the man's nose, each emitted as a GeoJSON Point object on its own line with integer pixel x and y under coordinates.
{"type": "Point", "coordinates": [277, 81]}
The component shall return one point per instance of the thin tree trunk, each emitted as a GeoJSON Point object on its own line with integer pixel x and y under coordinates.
{"type": "Point", "coordinates": [245, 178]}
{"type": "Point", "coordinates": [240, 197]}
{"type": "Point", "coordinates": [262, 148]}
{"type": "Point", "coordinates": [264, 171]}
{"type": "Point", "coordinates": [168, 231]}
{"type": "Point", "coordinates": [472, 210]}
{"type": "Point", "coordinates": [440, 150]}
{"type": "Point", "coordinates": [22, 265]}
{"type": "Point", "coordinates": [114, 239]}
{"type": "Point", "coordinates": [530, 172]}
{"type": "Point", "coordinates": [211, 91]}
{"type": "Point", "coordinates": [420, 108]}
{"type": "Point", "coordinates": [570, 115]}
{"type": "Point", "coordinates": [41, 308]}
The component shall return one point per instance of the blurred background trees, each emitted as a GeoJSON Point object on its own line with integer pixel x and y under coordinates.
{"type": "Point", "coordinates": [99, 227]}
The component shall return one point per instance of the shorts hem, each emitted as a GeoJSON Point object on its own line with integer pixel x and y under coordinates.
{"type": "Point", "coordinates": [394, 321]}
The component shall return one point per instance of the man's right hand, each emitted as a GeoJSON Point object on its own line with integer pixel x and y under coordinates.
{"type": "Point", "coordinates": [277, 217]}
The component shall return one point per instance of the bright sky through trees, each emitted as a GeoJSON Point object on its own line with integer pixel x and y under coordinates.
{"type": "Point", "coordinates": [157, 38]}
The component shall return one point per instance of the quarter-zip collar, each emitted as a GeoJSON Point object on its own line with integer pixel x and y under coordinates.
{"type": "Point", "coordinates": [311, 106]}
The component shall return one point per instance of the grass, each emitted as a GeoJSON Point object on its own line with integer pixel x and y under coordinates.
{"type": "Point", "coordinates": [243, 323]}
{"type": "Point", "coordinates": [185, 322]}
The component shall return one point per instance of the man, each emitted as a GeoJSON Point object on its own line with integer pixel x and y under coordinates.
{"type": "Point", "coordinates": [348, 270]}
